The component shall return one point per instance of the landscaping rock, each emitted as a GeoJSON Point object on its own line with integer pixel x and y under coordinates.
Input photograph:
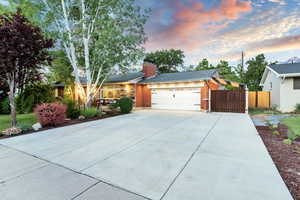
{"type": "Point", "coordinates": [81, 117]}
{"type": "Point", "coordinates": [36, 126]}
{"type": "Point", "coordinates": [12, 131]}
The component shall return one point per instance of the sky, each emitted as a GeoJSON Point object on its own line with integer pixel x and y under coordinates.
{"type": "Point", "coordinates": [222, 29]}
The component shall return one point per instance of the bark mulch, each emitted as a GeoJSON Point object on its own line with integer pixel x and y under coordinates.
{"type": "Point", "coordinates": [286, 157]}
{"type": "Point", "coordinates": [66, 123]}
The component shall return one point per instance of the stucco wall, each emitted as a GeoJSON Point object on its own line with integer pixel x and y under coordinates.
{"type": "Point", "coordinates": [275, 90]}
{"type": "Point", "coordinates": [289, 97]}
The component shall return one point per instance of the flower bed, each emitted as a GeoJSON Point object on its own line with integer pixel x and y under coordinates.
{"type": "Point", "coordinates": [286, 157]}
{"type": "Point", "coordinates": [67, 123]}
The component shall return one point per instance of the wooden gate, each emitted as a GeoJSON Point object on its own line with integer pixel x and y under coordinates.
{"type": "Point", "coordinates": [228, 101]}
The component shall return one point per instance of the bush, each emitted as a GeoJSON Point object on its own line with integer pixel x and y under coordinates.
{"type": "Point", "coordinates": [292, 136]}
{"type": "Point", "coordinates": [288, 141]}
{"type": "Point", "coordinates": [4, 106]}
{"type": "Point", "coordinates": [72, 109]}
{"type": "Point", "coordinates": [297, 109]}
{"type": "Point", "coordinates": [126, 105]}
{"type": "Point", "coordinates": [51, 114]}
{"type": "Point", "coordinates": [113, 106]}
{"type": "Point", "coordinates": [90, 112]}
{"type": "Point", "coordinates": [33, 95]}
{"type": "Point", "coordinates": [25, 127]}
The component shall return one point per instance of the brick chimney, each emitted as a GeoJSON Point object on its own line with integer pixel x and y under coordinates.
{"type": "Point", "coordinates": [149, 69]}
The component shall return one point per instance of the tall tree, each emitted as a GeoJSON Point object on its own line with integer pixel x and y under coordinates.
{"type": "Point", "coordinates": [60, 69]}
{"type": "Point", "coordinates": [22, 51]}
{"type": "Point", "coordinates": [167, 61]}
{"type": "Point", "coordinates": [97, 37]}
{"type": "Point", "coordinates": [204, 65]}
{"type": "Point", "coordinates": [224, 69]}
{"type": "Point", "coordinates": [256, 68]}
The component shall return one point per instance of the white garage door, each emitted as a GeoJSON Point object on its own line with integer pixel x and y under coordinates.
{"type": "Point", "coordinates": [176, 99]}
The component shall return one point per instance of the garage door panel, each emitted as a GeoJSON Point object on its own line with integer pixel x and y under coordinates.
{"type": "Point", "coordinates": [176, 99]}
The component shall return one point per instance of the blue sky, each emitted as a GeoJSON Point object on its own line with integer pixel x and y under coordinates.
{"type": "Point", "coordinates": [221, 29]}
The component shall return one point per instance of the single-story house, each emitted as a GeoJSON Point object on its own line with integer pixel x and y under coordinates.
{"type": "Point", "coordinates": [173, 91]}
{"type": "Point", "coordinates": [283, 82]}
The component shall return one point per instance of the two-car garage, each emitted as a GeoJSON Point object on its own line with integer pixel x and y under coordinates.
{"type": "Point", "coordinates": [176, 98]}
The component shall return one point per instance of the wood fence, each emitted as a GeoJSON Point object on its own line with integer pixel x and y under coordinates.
{"type": "Point", "coordinates": [228, 101]}
{"type": "Point", "coordinates": [259, 99]}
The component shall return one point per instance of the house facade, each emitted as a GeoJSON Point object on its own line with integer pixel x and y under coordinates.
{"type": "Point", "coordinates": [171, 91]}
{"type": "Point", "coordinates": [283, 82]}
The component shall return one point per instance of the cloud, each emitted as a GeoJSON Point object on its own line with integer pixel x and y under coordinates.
{"type": "Point", "coordinates": [256, 36]}
{"type": "Point", "coordinates": [193, 24]}
{"type": "Point", "coordinates": [278, 44]}
{"type": "Point", "coordinates": [281, 2]}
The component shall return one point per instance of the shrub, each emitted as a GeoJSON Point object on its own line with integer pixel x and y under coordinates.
{"type": "Point", "coordinates": [113, 106]}
{"type": "Point", "coordinates": [275, 132]}
{"type": "Point", "coordinates": [297, 109]}
{"type": "Point", "coordinates": [4, 106]}
{"type": "Point", "coordinates": [12, 131]}
{"type": "Point", "coordinates": [33, 95]}
{"type": "Point", "coordinates": [90, 112]}
{"type": "Point", "coordinates": [126, 105]}
{"type": "Point", "coordinates": [72, 111]}
{"type": "Point", "coordinates": [51, 114]}
{"type": "Point", "coordinates": [292, 136]}
{"type": "Point", "coordinates": [288, 141]}
{"type": "Point", "coordinates": [25, 127]}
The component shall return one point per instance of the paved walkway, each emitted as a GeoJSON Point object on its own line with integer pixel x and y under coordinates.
{"type": "Point", "coordinates": [145, 155]}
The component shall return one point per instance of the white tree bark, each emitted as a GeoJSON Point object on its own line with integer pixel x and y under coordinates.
{"type": "Point", "coordinates": [11, 97]}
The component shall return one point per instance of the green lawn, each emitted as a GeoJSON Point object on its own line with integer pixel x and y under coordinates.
{"type": "Point", "coordinates": [259, 111]}
{"type": "Point", "coordinates": [22, 119]}
{"type": "Point", "coordinates": [293, 123]}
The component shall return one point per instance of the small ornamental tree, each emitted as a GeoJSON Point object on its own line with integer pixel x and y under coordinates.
{"type": "Point", "coordinates": [23, 49]}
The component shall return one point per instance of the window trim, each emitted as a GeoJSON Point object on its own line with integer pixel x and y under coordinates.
{"type": "Point", "coordinates": [296, 86]}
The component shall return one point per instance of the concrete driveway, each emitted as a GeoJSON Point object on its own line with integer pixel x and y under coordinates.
{"type": "Point", "coordinates": [145, 155]}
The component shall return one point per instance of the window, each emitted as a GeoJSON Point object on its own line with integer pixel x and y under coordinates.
{"type": "Point", "coordinates": [296, 83]}
{"type": "Point", "coordinates": [271, 86]}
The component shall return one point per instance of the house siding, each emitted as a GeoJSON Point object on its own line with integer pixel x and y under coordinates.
{"type": "Point", "coordinates": [275, 81]}
{"type": "Point", "coordinates": [205, 94]}
{"type": "Point", "coordinates": [289, 97]}
{"type": "Point", "coordinates": [143, 96]}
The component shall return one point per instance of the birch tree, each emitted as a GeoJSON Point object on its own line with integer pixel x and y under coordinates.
{"type": "Point", "coordinates": [97, 36]}
{"type": "Point", "coordinates": [23, 49]}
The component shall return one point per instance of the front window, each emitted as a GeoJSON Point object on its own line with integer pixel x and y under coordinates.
{"type": "Point", "coordinates": [297, 83]}
{"type": "Point", "coordinates": [118, 91]}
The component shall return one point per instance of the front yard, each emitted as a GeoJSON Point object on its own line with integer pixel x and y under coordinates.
{"type": "Point", "coordinates": [293, 123]}
{"type": "Point", "coordinates": [281, 135]}
{"type": "Point", "coordinates": [23, 119]}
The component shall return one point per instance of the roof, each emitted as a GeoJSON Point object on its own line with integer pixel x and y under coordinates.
{"type": "Point", "coordinates": [112, 79]}
{"type": "Point", "coordinates": [282, 69]}
{"type": "Point", "coordinates": [124, 77]}
{"type": "Point", "coordinates": [182, 76]}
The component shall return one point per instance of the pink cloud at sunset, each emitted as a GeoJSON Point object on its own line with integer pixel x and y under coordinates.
{"type": "Point", "coordinates": [193, 23]}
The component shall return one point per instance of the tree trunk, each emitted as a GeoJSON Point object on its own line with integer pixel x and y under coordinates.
{"type": "Point", "coordinates": [13, 111]}
{"type": "Point", "coordinates": [89, 101]}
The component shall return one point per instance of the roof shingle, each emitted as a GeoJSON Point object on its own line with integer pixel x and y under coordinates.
{"type": "Point", "coordinates": [286, 68]}
{"type": "Point", "coordinates": [182, 76]}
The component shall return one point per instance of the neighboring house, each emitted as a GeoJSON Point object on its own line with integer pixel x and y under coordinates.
{"type": "Point", "coordinates": [174, 91]}
{"type": "Point", "coordinates": [283, 81]}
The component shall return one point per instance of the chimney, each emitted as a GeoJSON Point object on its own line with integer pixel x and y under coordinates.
{"type": "Point", "coordinates": [149, 69]}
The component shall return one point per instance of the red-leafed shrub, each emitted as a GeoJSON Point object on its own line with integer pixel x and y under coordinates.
{"type": "Point", "coordinates": [51, 114]}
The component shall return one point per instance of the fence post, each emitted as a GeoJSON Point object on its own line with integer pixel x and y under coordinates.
{"type": "Point", "coordinates": [209, 100]}
{"type": "Point", "coordinates": [247, 101]}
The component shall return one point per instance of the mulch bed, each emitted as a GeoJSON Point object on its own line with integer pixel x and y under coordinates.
{"type": "Point", "coordinates": [286, 157]}
{"type": "Point", "coordinates": [66, 123]}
